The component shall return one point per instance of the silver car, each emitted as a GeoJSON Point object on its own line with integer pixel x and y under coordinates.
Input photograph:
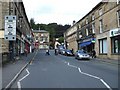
{"type": "Point", "coordinates": [80, 54]}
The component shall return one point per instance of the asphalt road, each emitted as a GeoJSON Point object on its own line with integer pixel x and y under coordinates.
{"type": "Point", "coordinates": [67, 72]}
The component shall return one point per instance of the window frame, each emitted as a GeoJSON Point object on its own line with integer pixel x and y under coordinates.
{"type": "Point", "coordinates": [100, 26]}
{"type": "Point", "coordinates": [101, 46]}
{"type": "Point", "coordinates": [93, 27]}
{"type": "Point", "coordinates": [118, 17]}
{"type": "Point", "coordinates": [100, 12]}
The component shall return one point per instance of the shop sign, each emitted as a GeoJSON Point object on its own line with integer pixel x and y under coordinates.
{"type": "Point", "coordinates": [114, 32]}
{"type": "Point", "coordinates": [90, 39]}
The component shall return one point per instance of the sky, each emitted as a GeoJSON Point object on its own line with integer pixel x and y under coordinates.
{"type": "Point", "coordinates": [58, 11]}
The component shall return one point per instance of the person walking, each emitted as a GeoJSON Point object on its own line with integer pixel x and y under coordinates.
{"type": "Point", "coordinates": [47, 52]}
{"type": "Point", "coordinates": [25, 51]}
{"type": "Point", "coordinates": [93, 54]}
{"type": "Point", "coordinates": [11, 54]}
{"type": "Point", "coordinates": [56, 47]}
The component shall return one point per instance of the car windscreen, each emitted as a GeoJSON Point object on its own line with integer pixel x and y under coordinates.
{"type": "Point", "coordinates": [80, 51]}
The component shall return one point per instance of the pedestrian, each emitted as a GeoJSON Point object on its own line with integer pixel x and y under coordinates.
{"type": "Point", "coordinates": [11, 55]}
{"type": "Point", "coordinates": [56, 51]}
{"type": "Point", "coordinates": [72, 50]}
{"type": "Point", "coordinates": [25, 51]}
{"type": "Point", "coordinates": [47, 52]}
{"type": "Point", "coordinates": [93, 54]}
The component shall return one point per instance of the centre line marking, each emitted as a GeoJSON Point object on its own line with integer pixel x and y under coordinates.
{"type": "Point", "coordinates": [72, 65]}
{"type": "Point", "coordinates": [105, 84]}
{"type": "Point", "coordinates": [90, 75]}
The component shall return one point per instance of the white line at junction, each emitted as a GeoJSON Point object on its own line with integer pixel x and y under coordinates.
{"type": "Point", "coordinates": [18, 83]}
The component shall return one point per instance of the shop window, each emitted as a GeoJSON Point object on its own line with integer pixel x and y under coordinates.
{"type": "Point", "coordinates": [115, 45]}
{"type": "Point", "coordinates": [103, 46]}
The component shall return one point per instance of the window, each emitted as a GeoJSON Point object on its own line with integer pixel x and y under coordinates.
{"type": "Point", "coordinates": [93, 27]}
{"type": "Point", "coordinates": [42, 35]}
{"type": "Point", "coordinates": [118, 18]}
{"type": "Point", "coordinates": [100, 12]}
{"type": "Point", "coordinates": [87, 21]}
{"type": "Point", "coordinates": [118, 1]}
{"type": "Point", "coordinates": [115, 45]}
{"type": "Point", "coordinates": [101, 26]}
{"type": "Point", "coordinates": [93, 17]}
{"type": "Point", "coordinates": [103, 46]}
{"type": "Point", "coordinates": [86, 31]}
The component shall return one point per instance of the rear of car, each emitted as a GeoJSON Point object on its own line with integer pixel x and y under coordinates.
{"type": "Point", "coordinates": [68, 52]}
{"type": "Point", "coordinates": [80, 54]}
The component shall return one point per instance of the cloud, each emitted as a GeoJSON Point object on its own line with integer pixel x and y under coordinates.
{"type": "Point", "coordinates": [59, 11]}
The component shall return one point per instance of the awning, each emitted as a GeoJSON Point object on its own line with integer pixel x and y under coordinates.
{"type": "Point", "coordinates": [85, 43]}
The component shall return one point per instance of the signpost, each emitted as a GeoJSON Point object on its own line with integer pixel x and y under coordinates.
{"type": "Point", "coordinates": [10, 28]}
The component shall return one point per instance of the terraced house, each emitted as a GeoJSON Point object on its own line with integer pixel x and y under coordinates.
{"type": "Point", "coordinates": [99, 30]}
{"type": "Point", "coordinates": [23, 29]}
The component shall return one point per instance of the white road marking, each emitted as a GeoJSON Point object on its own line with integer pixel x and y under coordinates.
{"type": "Point", "coordinates": [31, 63]}
{"type": "Point", "coordinates": [72, 65]}
{"type": "Point", "coordinates": [105, 84]}
{"type": "Point", "coordinates": [90, 75]}
{"type": "Point", "coordinates": [18, 83]}
{"type": "Point", "coordinates": [79, 70]}
{"type": "Point", "coordinates": [68, 64]}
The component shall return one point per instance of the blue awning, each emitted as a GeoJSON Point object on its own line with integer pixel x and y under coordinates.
{"type": "Point", "coordinates": [85, 43]}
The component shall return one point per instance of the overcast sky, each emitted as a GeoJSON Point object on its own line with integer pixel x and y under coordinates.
{"type": "Point", "coordinates": [58, 11]}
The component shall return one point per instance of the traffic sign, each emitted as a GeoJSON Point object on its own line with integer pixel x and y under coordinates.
{"type": "Point", "coordinates": [10, 28]}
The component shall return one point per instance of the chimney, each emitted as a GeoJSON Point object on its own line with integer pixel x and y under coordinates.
{"type": "Point", "coordinates": [74, 22]}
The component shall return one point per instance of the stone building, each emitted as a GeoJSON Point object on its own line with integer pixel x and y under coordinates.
{"type": "Point", "coordinates": [41, 39]}
{"type": "Point", "coordinates": [70, 37]}
{"type": "Point", "coordinates": [99, 30]}
{"type": "Point", "coordinates": [107, 30]}
{"type": "Point", "coordinates": [23, 29]}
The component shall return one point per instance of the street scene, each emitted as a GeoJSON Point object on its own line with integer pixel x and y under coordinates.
{"type": "Point", "coordinates": [59, 71]}
{"type": "Point", "coordinates": [47, 46]}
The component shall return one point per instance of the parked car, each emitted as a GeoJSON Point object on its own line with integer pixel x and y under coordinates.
{"type": "Point", "coordinates": [62, 51]}
{"type": "Point", "coordinates": [68, 52]}
{"type": "Point", "coordinates": [81, 54]}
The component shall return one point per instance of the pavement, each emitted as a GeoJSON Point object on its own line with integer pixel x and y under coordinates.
{"type": "Point", "coordinates": [117, 62]}
{"type": "Point", "coordinates": [12, 70]}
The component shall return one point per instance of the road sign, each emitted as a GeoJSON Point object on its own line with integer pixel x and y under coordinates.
{"type": "Point", "coordinates": [10, 28]}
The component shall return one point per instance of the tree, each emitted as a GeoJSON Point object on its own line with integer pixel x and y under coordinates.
{"type": "Point", "coordinates": [61, 40]}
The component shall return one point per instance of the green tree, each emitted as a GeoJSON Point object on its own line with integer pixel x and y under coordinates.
{"type": "Point", "coordinates": [61, 40]}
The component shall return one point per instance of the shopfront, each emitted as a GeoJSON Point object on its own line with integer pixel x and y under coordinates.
{"type": "Point", "coordinates": [115, 41]}
{"type": "Point", "coordinates": [87, 44]}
